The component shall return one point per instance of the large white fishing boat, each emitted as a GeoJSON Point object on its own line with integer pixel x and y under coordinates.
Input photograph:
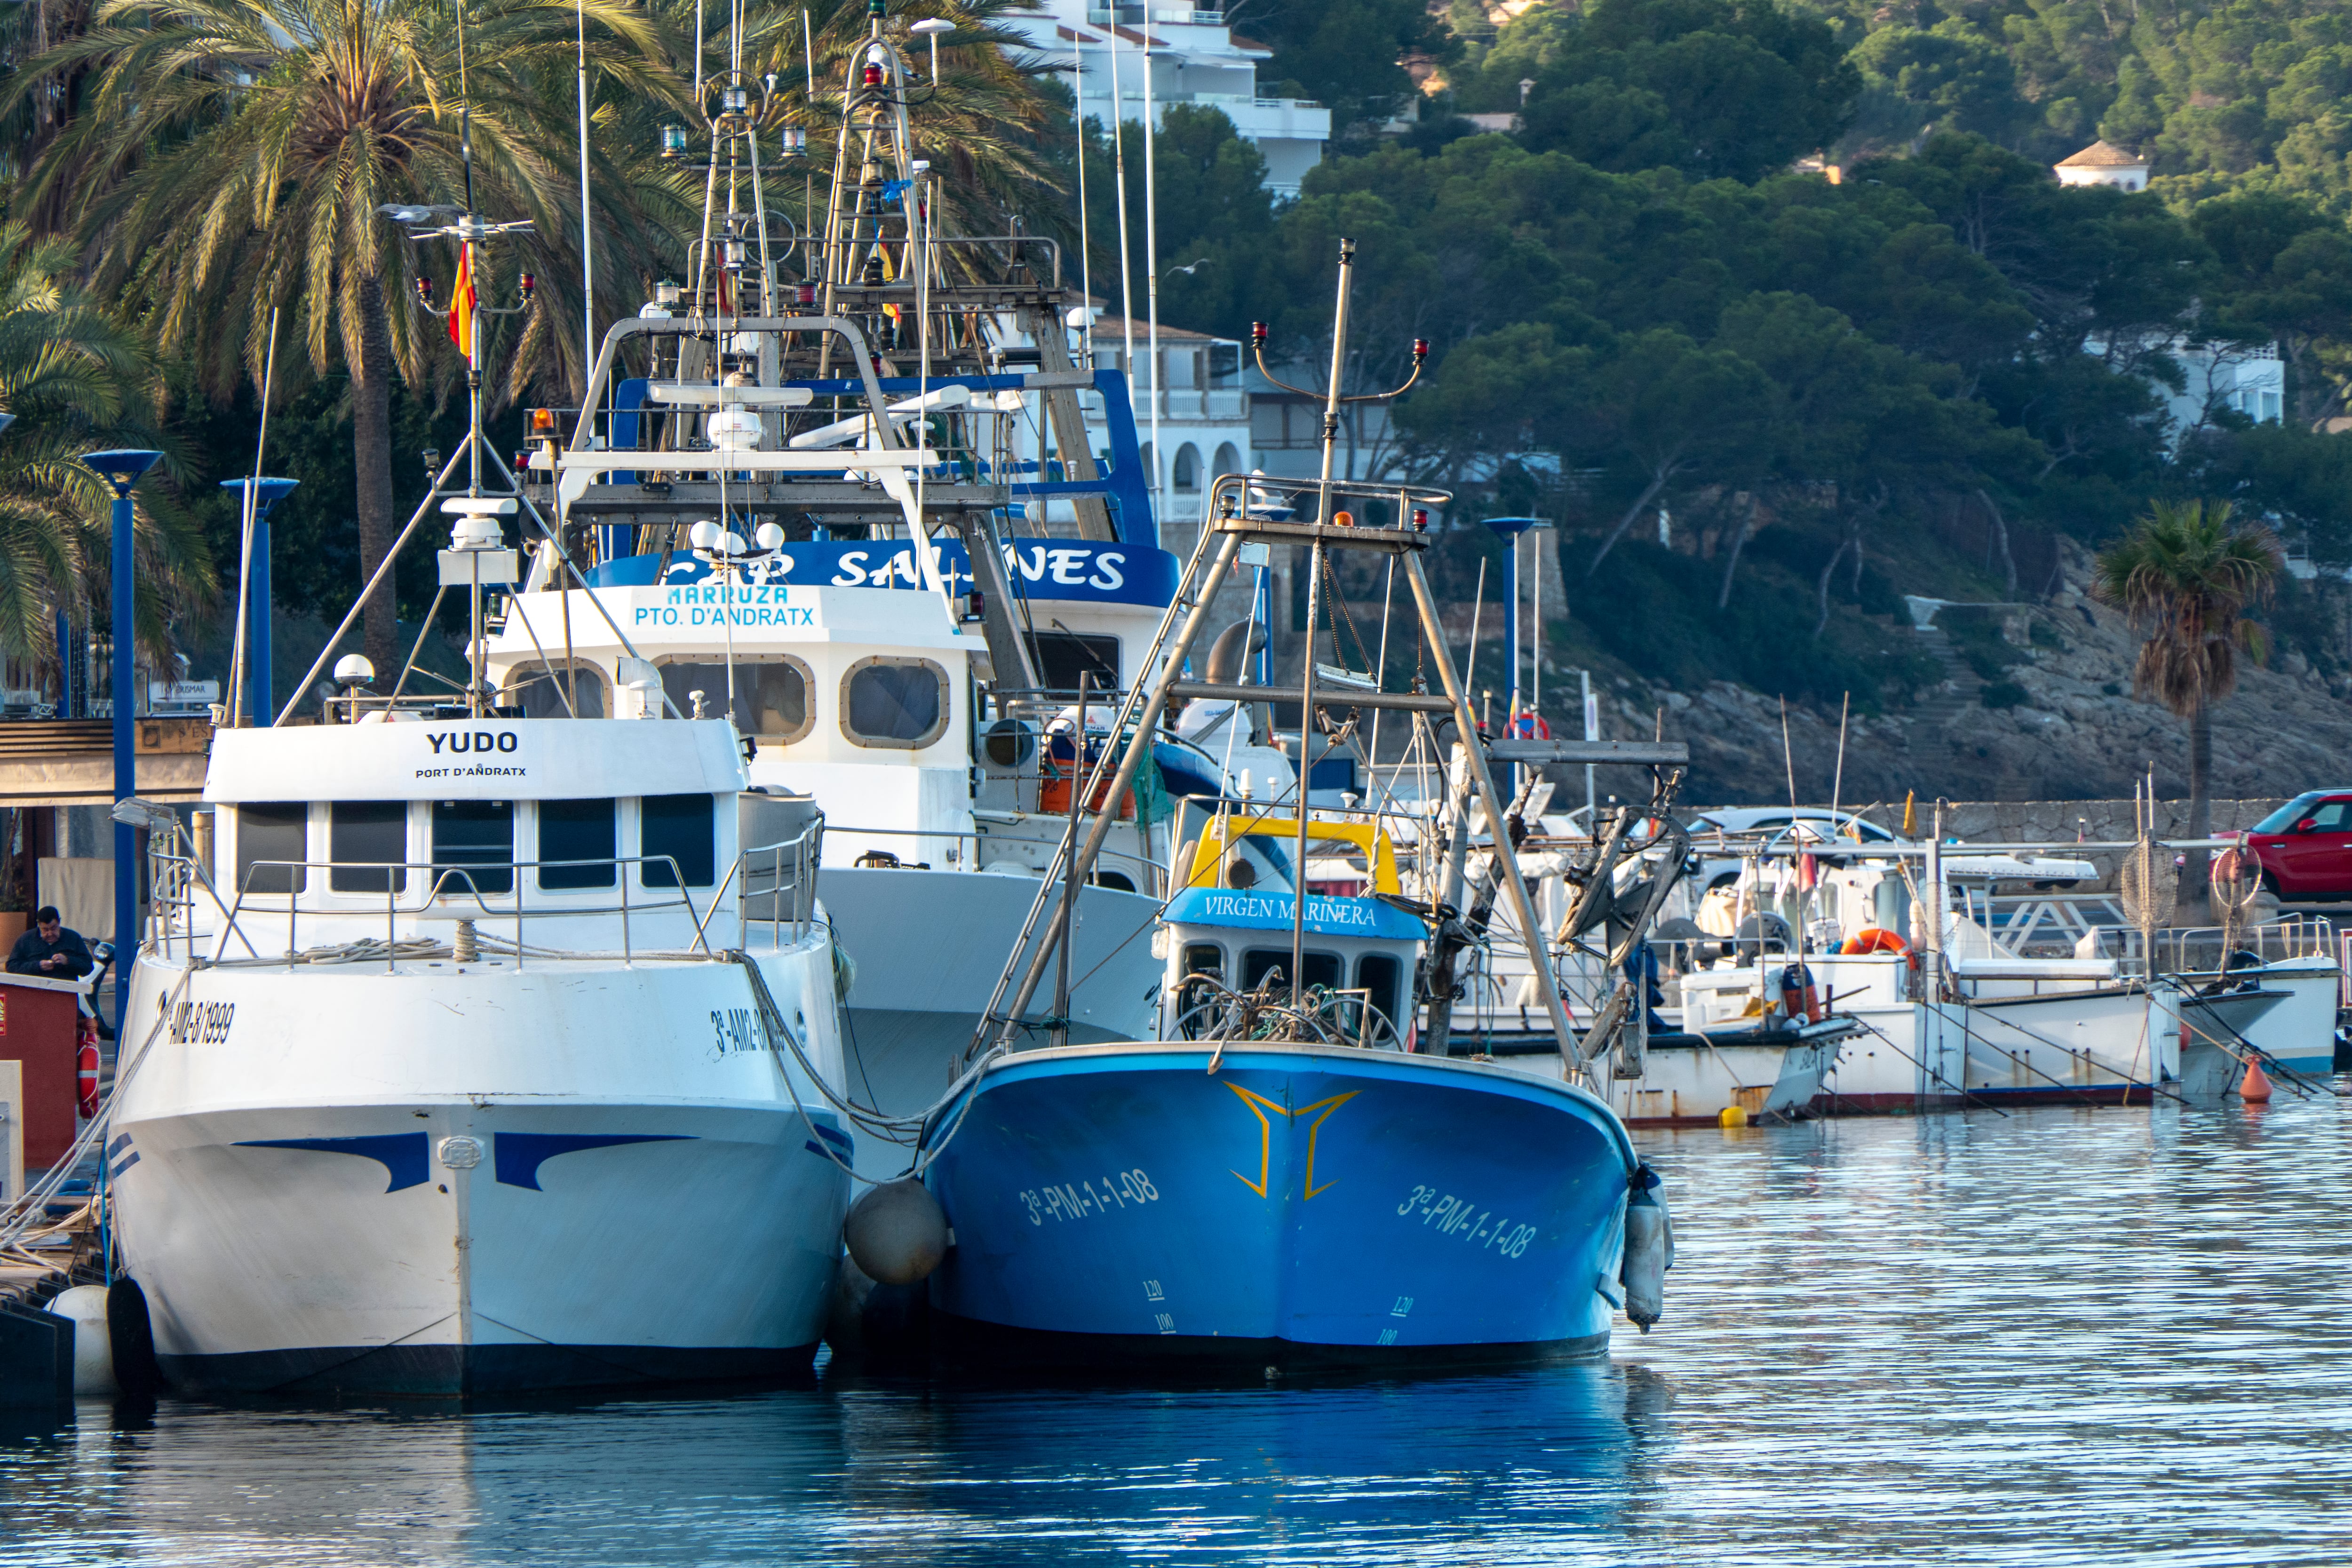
{"type": "Point", "coordinates": [474, 1051]}
{"type": "Point", "coordinates": [481, 1063]}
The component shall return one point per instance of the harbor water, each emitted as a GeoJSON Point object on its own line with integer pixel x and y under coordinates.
{"type": "Point", "coordinates": [2055, 1337]}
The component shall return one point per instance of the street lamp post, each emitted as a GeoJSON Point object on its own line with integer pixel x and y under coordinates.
{"type": "Point", "coordinates": [121, 470]}
{"type": "Point", "coordinates": [259, 704]}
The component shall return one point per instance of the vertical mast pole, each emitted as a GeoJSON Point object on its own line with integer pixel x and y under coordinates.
{"type": "Point", "coordinates": [1086, 236]}
{"type": "Point", "coordinates": [1306, 770]}
{"type": "Point", "coordinates": [1152, 278]}
{"type": "Point", "coordinates": [1126, 271]}
{"type": "Point", "coordinates": [1070, 875]}
{"type": "Point", "coordinates": [1339, 360]}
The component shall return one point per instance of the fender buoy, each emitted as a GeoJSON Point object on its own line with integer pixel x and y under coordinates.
{"type": "Point", "coordinates": [2255, 1090]}
{"type": "Point", "coordinates": [86, 1101]}
{"type": "Point", "coordinates": [1648, 1250]}
{"type": "Point", "coordinates": [1873, 938]}
{"type": "Point", "coordinates": [131, 1338]}
{"type": "Point", "coordinates": [1798, 997]}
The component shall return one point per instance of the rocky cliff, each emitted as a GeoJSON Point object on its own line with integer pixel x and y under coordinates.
{"type": "Point", "coordinates": [2036, 705]}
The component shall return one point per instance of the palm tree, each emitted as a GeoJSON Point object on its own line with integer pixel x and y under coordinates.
{"type": "Point", "coordinates": [229, 157]}
{"type": "Point", "coordinates": [2186, 576]}
{"type": "Point", "coordinates": [75, 378]}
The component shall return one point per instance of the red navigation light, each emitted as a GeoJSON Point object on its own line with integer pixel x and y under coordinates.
{"type": "Point", "coordinates": [1421, 520]}
{"type": "Point", "coordinates": [1257, 334]}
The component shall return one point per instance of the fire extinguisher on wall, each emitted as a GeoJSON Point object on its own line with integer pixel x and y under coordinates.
{"type": "Point", "coordinates": [85, 1101]}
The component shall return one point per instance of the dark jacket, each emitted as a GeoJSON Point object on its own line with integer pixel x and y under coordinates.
{"type": "Point", "coordinates": [25, 957]}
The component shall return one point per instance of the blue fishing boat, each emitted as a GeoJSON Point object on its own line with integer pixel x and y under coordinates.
{"type": "Point", "coordinates": [1279, 1177]}
{"type": "Point", "coordinates": [1283, 1183]}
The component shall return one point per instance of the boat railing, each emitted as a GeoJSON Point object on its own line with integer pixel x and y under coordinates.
{"type": "Point", "coordinates": [777, 886]}
{"type": "Point", "coordinates": [1151, 869]}
{"type": "Point", "coordinates": [781, 878]}
{"type": "Point", "coordinates": [2208, 950]}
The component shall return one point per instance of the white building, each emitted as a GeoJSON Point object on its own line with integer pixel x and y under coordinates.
{"type": "Point", "coordinates": [1192, 57]}
{"type": "Point", "coordinates": [2104, 164]}
{"type": "Point", "coordinates": [1205, 416]}
{"type": "Point", "coordinates": [2247, 379]}
{"type": "Point", "coordinates": [1288, 426]}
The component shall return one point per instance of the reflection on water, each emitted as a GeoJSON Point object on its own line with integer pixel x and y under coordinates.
{"type": "Point", "coordinates": [2059, 1337]}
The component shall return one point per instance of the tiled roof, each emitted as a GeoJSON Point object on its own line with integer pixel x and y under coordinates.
{"type": "Point", "coordinates": [2103, 155]}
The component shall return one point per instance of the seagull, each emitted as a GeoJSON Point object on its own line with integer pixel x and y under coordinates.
{"type": "Point", "coordinates": [404, 212]}
{"type": "Point", "coordinates": [1188, 269]}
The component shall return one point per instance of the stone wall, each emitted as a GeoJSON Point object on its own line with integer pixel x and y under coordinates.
{"type": "Point", "coordinates": [2067, 821]}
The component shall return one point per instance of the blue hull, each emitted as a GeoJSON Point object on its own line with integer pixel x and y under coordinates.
{"type": "Point", "coordinates": [1354, 1204]}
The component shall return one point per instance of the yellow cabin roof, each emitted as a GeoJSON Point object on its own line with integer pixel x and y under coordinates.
{"type": "Point", "coordinates": [1367, 838]}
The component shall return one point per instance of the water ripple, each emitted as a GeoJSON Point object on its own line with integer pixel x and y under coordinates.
{"type": "Point", "coordinates": [2057, 1338]}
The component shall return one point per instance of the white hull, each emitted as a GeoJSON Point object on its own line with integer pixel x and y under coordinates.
{"type": "Point", "coordinates": [928, 947]}
{"type": "Point", "coordinates": [2300, 1032]}
{"type": "Point", "coordinates": [1699, 1083]}
{"type": "Point", "coordinates": [479, 1180]}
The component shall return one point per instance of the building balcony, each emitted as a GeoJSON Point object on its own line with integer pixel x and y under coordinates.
{"type": "Point", "coordinates": [1261, 119]}
{"type": "Point", "coordinates": [1224, 405]}
{"type": "Point", "coordinates": [1165, 16]}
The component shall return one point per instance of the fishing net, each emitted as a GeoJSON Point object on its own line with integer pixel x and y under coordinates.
{"type": "Point", "coordinates": [2147, 887]}
{"type": "Point", "coordinates": [2236, 884]}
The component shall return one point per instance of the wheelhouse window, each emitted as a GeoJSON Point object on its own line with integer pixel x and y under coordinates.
{"type": "Point", "coordinates": [581, 831]}
{"type": "Point", "coordinates": [272, 830]}
{"type": "Point", "coordinates": [893, 702]}
{"type": "Point", "coordinates": [473, 847]}
{"type": "Point", "coordinates": [1062, 657]}
{"type": "Point", "coordinates": [1378, 973]}
{"type": "Point", "coordinates": [1321, 968]}
{"type": "Point", "coordinates": [680, 829]}
{"type": "Point", "coordinates": [772, 695]}
{"type": "Point", "coordinates": [539, 690]}
{"type": "Point", "coordinates": [368, 842]}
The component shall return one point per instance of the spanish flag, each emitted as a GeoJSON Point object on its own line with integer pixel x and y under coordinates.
{"type": "Point", "coordinates": [461, 304]}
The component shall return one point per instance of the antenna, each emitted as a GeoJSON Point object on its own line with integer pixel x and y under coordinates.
{"type": "Point", "coordinates": [477, 558]}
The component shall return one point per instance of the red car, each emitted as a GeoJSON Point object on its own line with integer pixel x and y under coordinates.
{"type": "Point", "coordinates": [2305, 846]}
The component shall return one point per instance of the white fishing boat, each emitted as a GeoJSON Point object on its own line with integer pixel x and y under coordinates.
{"type": "Point", "coordinates": [474, 1068]}
{"type": "Point", "coordinates": [476, 1052]}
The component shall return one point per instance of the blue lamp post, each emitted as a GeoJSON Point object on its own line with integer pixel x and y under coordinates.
{"type": "Point", "coordinates": [1509, 529]}
{"type": "Point", "coordinates": [261, 702]}
{"type": "Point", "coordinates": [121, 470]}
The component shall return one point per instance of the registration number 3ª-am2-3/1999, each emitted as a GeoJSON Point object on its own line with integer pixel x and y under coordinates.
{"type": "Point", "coordinates": [1121, 1190]}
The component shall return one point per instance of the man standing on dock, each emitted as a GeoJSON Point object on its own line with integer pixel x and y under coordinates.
{"type": "Point", "coordinates": [50, 951]}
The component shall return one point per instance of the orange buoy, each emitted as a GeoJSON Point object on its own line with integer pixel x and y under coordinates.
{"type": "Point", "coordinates": [2256, 1090]}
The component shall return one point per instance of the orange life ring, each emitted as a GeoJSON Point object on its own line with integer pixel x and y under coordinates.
{"type": "Point", "coordinates": [1873, 938]}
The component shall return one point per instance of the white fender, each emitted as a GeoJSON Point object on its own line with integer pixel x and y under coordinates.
{"type": "Point", "coordinates": [1649, 1251]}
